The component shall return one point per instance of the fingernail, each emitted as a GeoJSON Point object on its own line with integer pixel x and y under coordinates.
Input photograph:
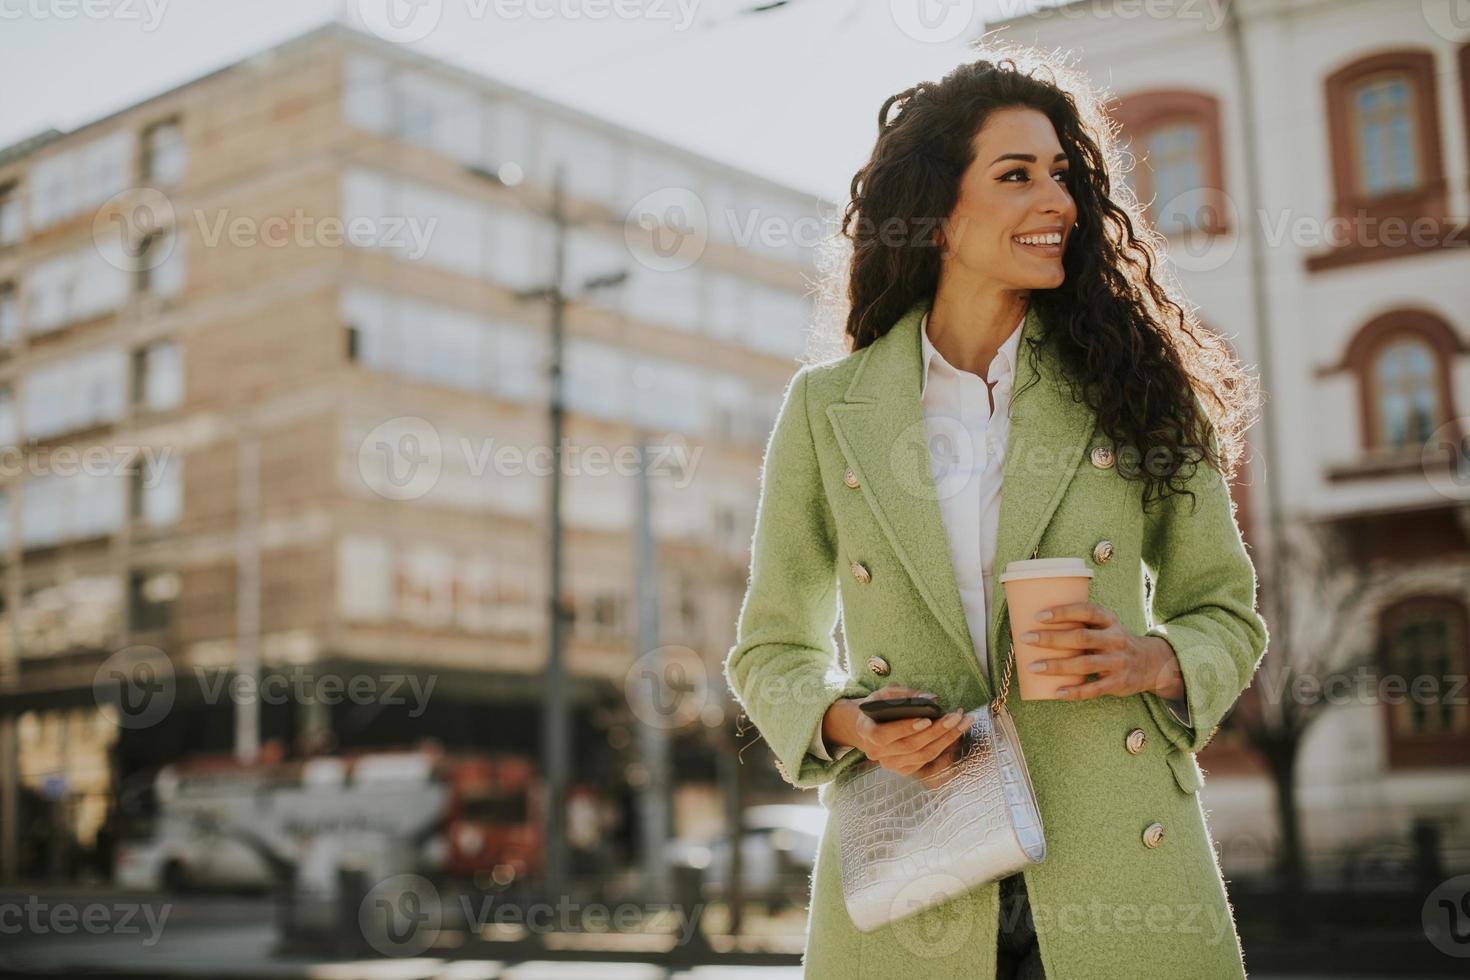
{"type": "Point", "coordinates": [1063, 691]}
{"type": "Point", "coordinates": [1028, 637]}
{"type": "Point", "coordinates": [1044, 615]}
{"type": "Point", "coordinates": [1037, 667]}
{"type": "Point", "coordinates": [928, 694]}
{"type": "Point", "coordinates": [921, 724]}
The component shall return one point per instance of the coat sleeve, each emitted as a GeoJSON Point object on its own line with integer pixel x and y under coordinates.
{"type": "Point", "coordinates": [1203, 604]}
{"type": "Point", "coordinates": [783, 667]}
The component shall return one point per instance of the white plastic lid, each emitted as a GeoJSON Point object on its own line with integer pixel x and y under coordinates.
{"type": "Point", "coordinates": [1046, 568]}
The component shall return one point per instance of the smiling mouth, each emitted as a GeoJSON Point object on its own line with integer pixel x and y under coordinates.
{"type": "Point", "coordinates": [1050, 248]}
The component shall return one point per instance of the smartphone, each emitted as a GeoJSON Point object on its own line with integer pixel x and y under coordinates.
{"type": "Point", "coordinates": [896, 709]}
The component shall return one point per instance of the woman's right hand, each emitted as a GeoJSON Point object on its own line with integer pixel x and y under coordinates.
{"type": "Point", "coordinates": [906, 745]}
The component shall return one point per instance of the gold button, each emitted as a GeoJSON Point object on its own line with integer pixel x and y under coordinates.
{"type": "Point", "coordinates": [1136, 741]}
{"type": "Point", "coordinates": [1153, 834]}
{"type": "Point", "coordinates": [1102, 551]}
{"type": "Point", "coordinates": [850, 478]}
{"type": "Point", "coordinates": [861, 573]}
{"type": "Point", "coordinates": [878, 666]}
{"type": "Point", "coordinates": [1102, 457]}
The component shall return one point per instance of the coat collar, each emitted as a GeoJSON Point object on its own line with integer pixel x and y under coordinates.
{"type": "Point", "coordinates": [879, 426]}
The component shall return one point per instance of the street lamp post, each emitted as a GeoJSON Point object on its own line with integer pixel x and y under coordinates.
{"type": "Point", "coordinates": [555, 722]}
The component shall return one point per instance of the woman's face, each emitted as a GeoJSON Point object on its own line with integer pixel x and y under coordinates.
{"type": "Point", "coordinates": [1015, 188]}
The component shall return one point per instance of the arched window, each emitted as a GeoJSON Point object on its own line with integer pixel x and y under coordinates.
{"type": "Point", "coordinates": [1401, 363]}
{"type": "Point", "coordinates": [1405, 393]}
{"type": "Point", "coordinates": [1422, 655]}
{"type": "Point", "coordinates": [1178, 171]}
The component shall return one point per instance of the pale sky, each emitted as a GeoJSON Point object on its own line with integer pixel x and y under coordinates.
{"type": "Point", "coordinates": [791, 94]}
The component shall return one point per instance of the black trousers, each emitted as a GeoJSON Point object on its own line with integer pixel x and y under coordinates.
{"type": "Point", "coordinates": [1019, 956]}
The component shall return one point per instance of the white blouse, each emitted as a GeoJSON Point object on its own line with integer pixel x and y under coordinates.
{"type": "Point", "coordinates": [967, 446]}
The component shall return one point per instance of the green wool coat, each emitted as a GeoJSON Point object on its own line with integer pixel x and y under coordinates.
{"type": "Point", "coordinates": [1106, 905]}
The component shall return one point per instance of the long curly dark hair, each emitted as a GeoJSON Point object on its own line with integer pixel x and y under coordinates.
{"type": "Point", "coordinates": [1156, 378]}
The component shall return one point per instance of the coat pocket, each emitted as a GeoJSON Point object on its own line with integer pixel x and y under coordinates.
{"type": "Point", "coordinates": [1186, 770]}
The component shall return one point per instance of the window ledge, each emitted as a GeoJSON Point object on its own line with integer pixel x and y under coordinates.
{"type": "Point", "coordinates": [1377, 464]}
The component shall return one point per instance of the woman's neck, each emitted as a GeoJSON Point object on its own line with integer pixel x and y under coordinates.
{"type": "Point", "coordinates": [968, 327]}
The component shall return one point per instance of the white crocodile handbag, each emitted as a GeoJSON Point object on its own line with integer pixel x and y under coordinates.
{"type": "Point", "coordinates": [908, 843]}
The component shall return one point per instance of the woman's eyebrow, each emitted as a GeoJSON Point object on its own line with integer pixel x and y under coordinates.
{"type": "Point", "coordinates": [1028, 157]}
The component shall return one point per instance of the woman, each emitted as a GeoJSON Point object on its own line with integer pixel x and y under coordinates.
{"type": "Point", "coordinates": [1019, 383]}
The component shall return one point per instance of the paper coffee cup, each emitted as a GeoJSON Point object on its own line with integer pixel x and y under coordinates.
{"type": "Point", "coordinates": [1032, 585]}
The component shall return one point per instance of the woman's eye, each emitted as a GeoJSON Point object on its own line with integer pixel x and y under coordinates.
{"type": "Point", "coordinates": [1021, 172]}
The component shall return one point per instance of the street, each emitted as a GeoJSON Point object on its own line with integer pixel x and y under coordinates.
{"type": "Point", "coordinates": [109, 933]}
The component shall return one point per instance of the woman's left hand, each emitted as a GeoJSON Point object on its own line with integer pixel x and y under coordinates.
{"type": "Point", "coordinates": [1124, 664]}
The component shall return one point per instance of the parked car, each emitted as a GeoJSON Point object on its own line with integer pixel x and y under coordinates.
{"type": "Point", "coordinates": [779, 849]}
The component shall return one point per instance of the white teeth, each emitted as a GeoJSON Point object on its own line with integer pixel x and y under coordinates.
{"type": "Point", "coordinates": [1039, 239]}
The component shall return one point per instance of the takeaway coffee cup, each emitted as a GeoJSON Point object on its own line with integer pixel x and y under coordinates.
{"type": "Point", "coordinates": [1031, 586]}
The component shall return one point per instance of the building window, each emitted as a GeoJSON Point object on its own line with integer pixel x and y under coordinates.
{"type": "Point", "coordinates": [1422, 648]}
{"type": "Point", "coordinates": [1383, 126]}
{"type": "Point", "coordinates": [158, 376]}
{"type": "Point", "coordinates": [9, 314]}
{"type": "Point", "coordinates": [1178, 176]}
{"type": "Point", "coordinates": [76, 393]}
{"type": "Point", "coordinates": [9, 424]}
{"type": "Point", "coordinates": [10, 213]}
{"type": "Point", "coordinates": [1385, 141]}
{"type": "Point", "coordinates": [1405, 393]}
{"type": "Point", "coordinates": [151, 597]}
{"type": "Point", "coordinates": [158, 487]}
{"type": "Point", "coordinates": [68, 183]}
{"type": "Point", "coordinates": [159, 268]}
{"type": "Point", "coordinates": [1400, 365]}
{"type": "Point", "coordinates": [163, 153]}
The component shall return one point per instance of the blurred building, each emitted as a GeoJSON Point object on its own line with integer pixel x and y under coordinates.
{"type": "Point", "coordinates": [1358, 130]}
{"type": "Point", "coordinates": [271, 403]}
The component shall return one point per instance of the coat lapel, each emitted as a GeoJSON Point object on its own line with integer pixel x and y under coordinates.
{"type": "Point", "coordinates": [879, 426]}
